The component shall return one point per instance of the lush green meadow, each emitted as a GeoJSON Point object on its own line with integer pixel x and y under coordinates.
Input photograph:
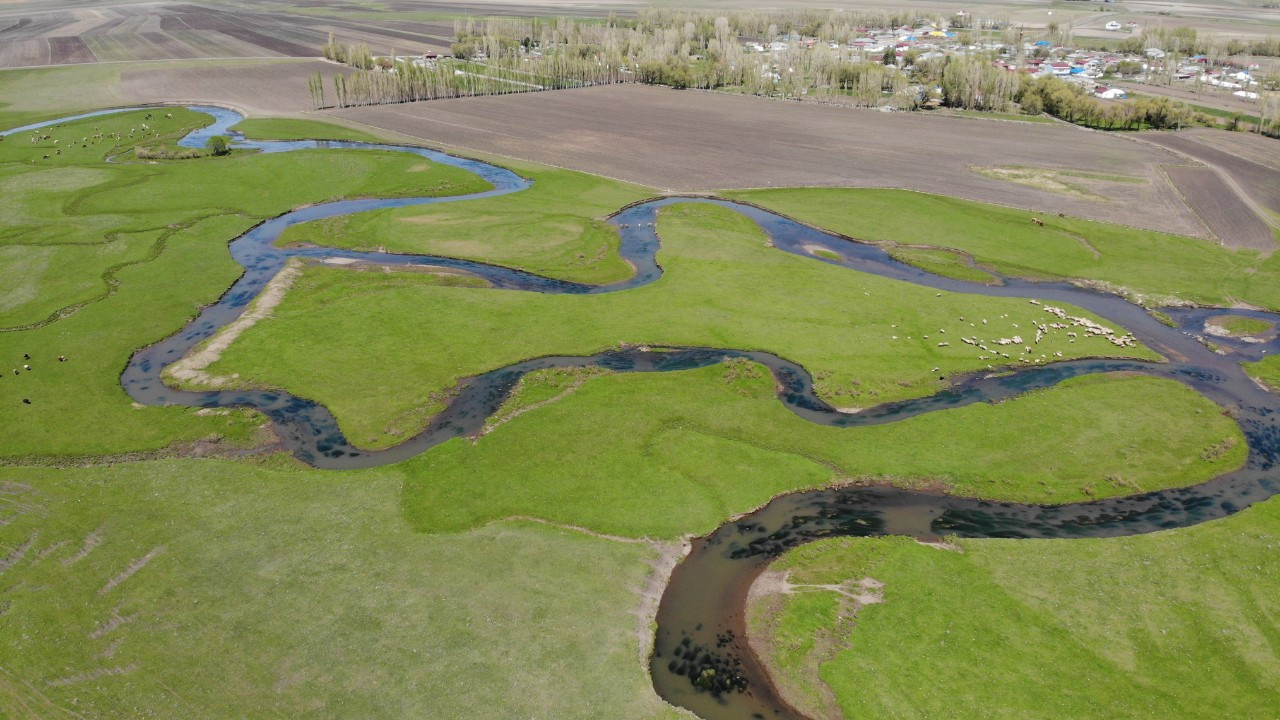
{"type": "Point", "coordinates": [1239, 325]}
{"type": "Point", "coordinates": [266, 128]}
{"type": "Point", "coordinates": [673, 453]}
{"type": "Point", "coordinates": [192, 588]}
{"type": "Point", "coordinates": [98, 259]}
{"type": "Point", "coordinates": [180, 587]}
{"type": "Point", "coordinates": [1267, 370]}
{"type": "Point", "coordinates": [555, 228]}
{"type": "Point", "coordinates": [1150, 266]}
{"type": "Point", "coordinates": [867, 339]}
{"type": "Point", "coordinates": [1177, 624]}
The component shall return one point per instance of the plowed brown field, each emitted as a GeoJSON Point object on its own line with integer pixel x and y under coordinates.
{"type": "Point", "coordinates": [35, 36]}
{"type": "Point", "coordinates": [1225, 212]}
{"type": "Point", "coordinates": [692, 141]}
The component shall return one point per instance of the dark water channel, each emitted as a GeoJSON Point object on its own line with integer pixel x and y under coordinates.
{"type": "Point", "coordinates": [701, 660]}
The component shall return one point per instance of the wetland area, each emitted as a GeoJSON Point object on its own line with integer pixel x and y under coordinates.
{"type": "Point", "coordinates": [701, 659]}
{"type": "Point", "coordinates": [529, 436]}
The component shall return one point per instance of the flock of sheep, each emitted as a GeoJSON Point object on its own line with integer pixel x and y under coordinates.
{"type": "Point", "coordinates": [97, 137]}
{"type": "Point", "coordinates": [1089, 328]}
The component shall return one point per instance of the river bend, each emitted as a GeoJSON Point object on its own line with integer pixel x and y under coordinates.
{"type": "Point", "coordinates": [701, 659]}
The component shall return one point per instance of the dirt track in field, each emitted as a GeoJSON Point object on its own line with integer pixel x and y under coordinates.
{"type": "Point", "coordinates": [1224, 212]}
{"type": "Point", "coordinates": [698, 141]}
{"type": "Point", "coordinates": [1248, 160]}
{"type": "Point", "coordinates": [1247, 182]}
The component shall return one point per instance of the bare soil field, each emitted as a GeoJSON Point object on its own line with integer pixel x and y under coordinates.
{"type": "Point", "coordinates": [698, 141]}
{"type": "Point", "coordinates": [35, 36]}
{"type": "Point", "coordinates": [1250, 146]}
{"type": "Point", "coordinates": [1226, 213]}
{"type": "Point", "coordinates": [1234, 157]}
{"type": "Point", "coordinates": [259, 87]}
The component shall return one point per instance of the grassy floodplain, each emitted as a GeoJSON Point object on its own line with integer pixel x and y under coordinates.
{"type": "Point", "coordinates": [185, 587]}
{"type": "Point", "coordinates": [1173, 624]}
{"type": "Point", "coordinates": [1149, 265]}
{"type": "Point", "coordinates": [555, 228]}
{"type": "Point", "coordinates": [1238, 326]}
{"type": "Point", "coordinates": [661, 455]}
{"type": "Point", "coordinates": [1267, 370]}
{"type": "Point", "coordinates": [193, 588]}
{"type": "Point", "coordinates": [869, 340]}
{"type": "Point", "coordinates": [98, 259]}
{"type": "Point", "coordinates": [260, 128]}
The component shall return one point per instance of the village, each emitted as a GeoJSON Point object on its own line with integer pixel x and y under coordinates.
{"type": "Point", "coordinates": [1152, 77]}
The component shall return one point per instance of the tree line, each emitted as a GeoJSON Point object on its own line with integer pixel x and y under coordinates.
{"type": "Point", "coordinates": [696, 49]}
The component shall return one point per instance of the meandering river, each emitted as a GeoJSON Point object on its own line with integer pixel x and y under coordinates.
{"type": "Point", "coordinates": [701, 659]}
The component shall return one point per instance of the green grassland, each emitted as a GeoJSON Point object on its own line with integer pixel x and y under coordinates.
{"type": "Point", "coordinates": [670, 453]}
{"type": "Point", "coordinates": [268, 593]}
{"type": "Point", "coordinates": [1011, 117]}
{"type": "Point", "coordinates": [299, 129]}
{"type": "Point", "coordinates": [1267, 370]}
{"type": "Point", "coordinates": [947, 263]}
{"type": "Point", "coordinates": [1174, 624]}
{"type": "Point", "coordinates": [183, 587]}
{"type": "Point", "coordinates": [554, 228]}
{"type": "Point", "coordinates": [868, 339]}
{"type": "Point", "coordinates": [1238, 325]}
{"type": "Point", "coordinates": [1149, 264]}
{"type": "Point", "coordinates": [98, 259]}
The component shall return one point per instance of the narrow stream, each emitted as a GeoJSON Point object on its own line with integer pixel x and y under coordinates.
{"type": "Point", "coordinates": [701, 660]}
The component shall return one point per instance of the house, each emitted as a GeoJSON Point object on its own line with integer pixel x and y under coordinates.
{"type": "Point", "coordinates": [1113, 25]}
{"type": "Point", "coordinates": [1109, 93]}
{"type": "Point", "coordinates": [1154, 53]}
{"type": "Point", "coordinates": [1060, 68]}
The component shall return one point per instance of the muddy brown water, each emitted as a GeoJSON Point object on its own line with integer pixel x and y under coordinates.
{"type": "Point", "coordinates": [701, 659]}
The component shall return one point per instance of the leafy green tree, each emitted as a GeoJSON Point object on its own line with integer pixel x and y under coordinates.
{"type": "Point", "coordinates": [219, 145]}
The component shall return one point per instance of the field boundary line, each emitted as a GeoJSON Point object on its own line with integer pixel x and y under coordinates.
{"type": "Point", "coordinates": [275, 58]}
